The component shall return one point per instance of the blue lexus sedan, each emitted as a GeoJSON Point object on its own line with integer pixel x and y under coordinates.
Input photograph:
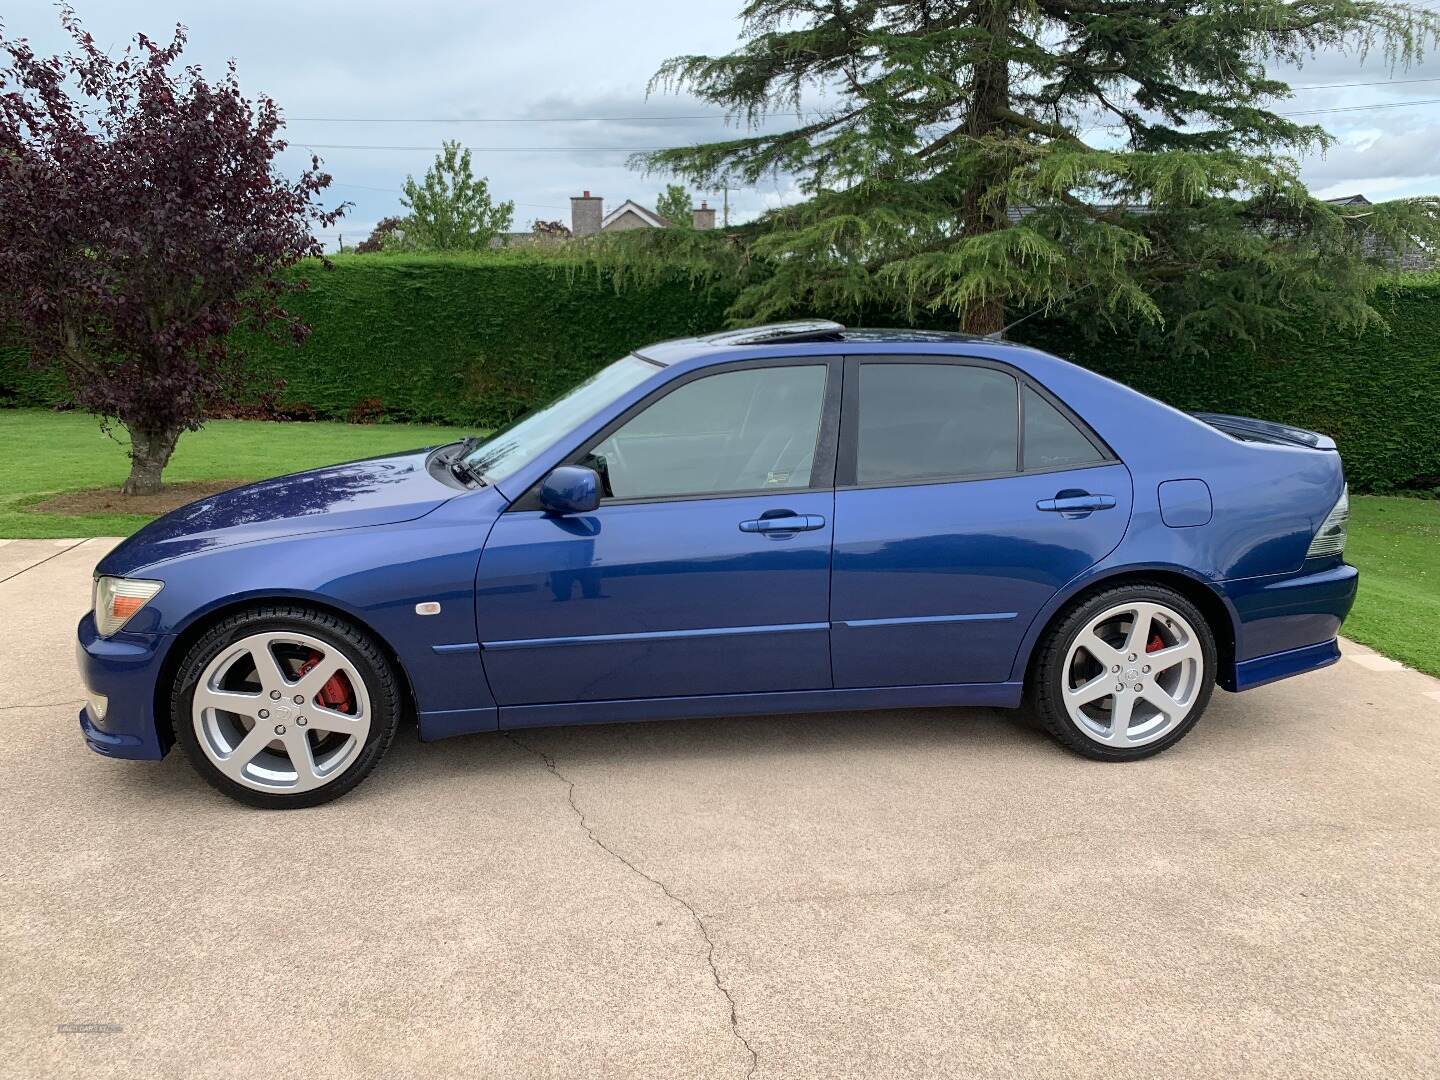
{"type": "Point", "coordinates": [785, 518]}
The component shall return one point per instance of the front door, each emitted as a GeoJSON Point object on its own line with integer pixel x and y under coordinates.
{"type": "Point", "coordinates": [706, 568]}
{"type": "Point", "coordinates": [966, 498]}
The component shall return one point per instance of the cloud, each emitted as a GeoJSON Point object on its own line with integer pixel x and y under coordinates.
{"type": "Point", "coordinates": [1391, 158]}
{"type": "Point", "coordinates": [415, 72]}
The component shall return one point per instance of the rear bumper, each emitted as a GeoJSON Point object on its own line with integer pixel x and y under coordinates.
{"type": "Point", "coordinates": [123, 670]}
{"type": "Point", "coordinates": [1267, 669]}
{"type": "Point", "coordinates": [1288, 625]}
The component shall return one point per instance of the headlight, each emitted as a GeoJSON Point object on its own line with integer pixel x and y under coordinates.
{"type": "Point", "coordinates": [1330, 537]}
{"type": "Point", "coordinates": [118, 599]}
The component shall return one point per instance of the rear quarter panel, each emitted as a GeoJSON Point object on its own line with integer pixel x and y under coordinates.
{"type": "Point", "coordinates": [1267, 503]}
{"type": "Point", "coordinates": [1268, 500]}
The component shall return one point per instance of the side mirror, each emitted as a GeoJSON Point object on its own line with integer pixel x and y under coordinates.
{"type": "Point", "coordinates": [570, 489]}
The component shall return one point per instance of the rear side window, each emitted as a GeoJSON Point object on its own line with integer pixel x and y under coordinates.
{"type": "Point", "coordinates": [927, 421]}
{"type": "Point", "coordinates": [1051, 440]}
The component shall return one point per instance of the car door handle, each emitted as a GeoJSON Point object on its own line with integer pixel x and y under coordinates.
{"type": "Point", "coordinates": [789, 523]}
{"type": "Point", "coordinates": [1073, 504]}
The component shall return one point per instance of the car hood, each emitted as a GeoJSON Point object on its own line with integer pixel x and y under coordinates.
{"type": "Point", "coordinates": [378, 491]}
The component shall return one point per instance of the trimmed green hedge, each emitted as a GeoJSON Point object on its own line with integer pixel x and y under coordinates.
{"type": "Point", "coordinates": [475, 340]}
{"type": "Point", "coordinates": [443, 339]}
{"type": "Point", "coordinates": [21, 385]}
{"type": "Point", "coordinates": [467, 340]}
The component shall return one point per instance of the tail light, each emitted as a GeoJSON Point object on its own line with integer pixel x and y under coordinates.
{"type": "Point", "coordinates": [118, 599]}
{"type": "Point", "coordinates": [1330, 537]}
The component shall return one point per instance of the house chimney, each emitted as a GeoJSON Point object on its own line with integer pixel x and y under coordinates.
{"type": "Point", "coordinates": [585, 214]}
{"type": "Point", "coordinates": [704, 218]}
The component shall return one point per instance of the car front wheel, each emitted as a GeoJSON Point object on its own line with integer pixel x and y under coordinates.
{"type": "Point", "coordinates": [285, 707]}
{"type": "Point", "coordinates": [1125, 674]}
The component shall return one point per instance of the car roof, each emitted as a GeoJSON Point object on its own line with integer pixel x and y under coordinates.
{"type": "Point", "coordinates": [816, 337]}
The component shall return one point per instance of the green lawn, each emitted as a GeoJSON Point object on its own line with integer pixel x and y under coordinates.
{"type": "Point", "coordinates": [42, 453]}
{"type": "Point", "coordinates": [1396, 544]}
{"type": "Point", "coordinates": [1394, 541]}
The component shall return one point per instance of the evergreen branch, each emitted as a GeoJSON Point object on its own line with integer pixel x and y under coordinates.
{"type": "Point", "coordinates": [949, 113]}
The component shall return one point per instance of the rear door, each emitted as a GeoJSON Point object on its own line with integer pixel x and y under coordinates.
{"type": "Point", "coordinates": [705, 569]}
{"type": "Point", "coordinates": [966, 496]}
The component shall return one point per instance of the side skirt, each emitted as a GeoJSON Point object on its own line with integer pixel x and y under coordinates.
{"type": "Point", "coordinates": [443, 723]}
{"type": "Point", "coordinates": [989, 695]}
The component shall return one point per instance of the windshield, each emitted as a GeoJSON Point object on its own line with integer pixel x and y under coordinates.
{"type": "Point", "coordinates": [513, 447]}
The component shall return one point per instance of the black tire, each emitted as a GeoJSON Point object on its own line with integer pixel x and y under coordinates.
{"type": "Point", "coordinates": [1046, 685]}
{"type": "Point", "coordinates": [358, 647]}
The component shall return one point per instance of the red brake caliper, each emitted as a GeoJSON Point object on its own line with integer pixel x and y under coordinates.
{"type": "Point", "coordinates": [1155, 644]}
{"type": "Point", "coordinates": [336, 693]}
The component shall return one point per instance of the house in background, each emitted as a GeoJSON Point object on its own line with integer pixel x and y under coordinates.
{"type": "Point", "coordinates": [1412, 258]}
{"type": "Point", "coordinates": [587, 216]}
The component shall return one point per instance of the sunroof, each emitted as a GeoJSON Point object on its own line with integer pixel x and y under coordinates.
{"type": "Point", "coordinates": [799, 330]}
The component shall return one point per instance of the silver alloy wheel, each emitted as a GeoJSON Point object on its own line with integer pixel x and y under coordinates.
{"type": "Point", "coordinates": [1133, 674]}
{"type": "Point", "coordinates": [260, 719]}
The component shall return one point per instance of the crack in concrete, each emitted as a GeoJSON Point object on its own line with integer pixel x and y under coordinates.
{"type": "Point", "coordinates": [695, 915]}
{"type": "Point", "coordinates": [42, 562]}
{"type": "Point", "coordinates": [44, 705]}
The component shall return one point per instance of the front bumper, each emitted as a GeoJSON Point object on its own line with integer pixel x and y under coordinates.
{"type": "Point", "coordinates": [124, 669]}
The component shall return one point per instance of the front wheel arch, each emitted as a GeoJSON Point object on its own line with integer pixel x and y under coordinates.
{"type": "Point", "coordinates": [198, 627]}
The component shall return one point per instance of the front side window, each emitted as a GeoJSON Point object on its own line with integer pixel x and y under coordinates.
{"type": "Point", "coordinates": [512, 448]}
{"type": "Point", "coordinates": [928, 421]}
{"type": "Point", "coordinates": [753, 429]}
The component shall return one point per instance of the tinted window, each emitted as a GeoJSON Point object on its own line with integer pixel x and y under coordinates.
{"type": "Point", "coordinates": [921, 421]}
{"type": "Point", "coordinates": [1052, 441]}
{"type": "Point", "coordinates": [749, 430]}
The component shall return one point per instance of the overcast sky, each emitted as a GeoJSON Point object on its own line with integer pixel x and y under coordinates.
{"type": "Point", "coordinates": [407, 75]}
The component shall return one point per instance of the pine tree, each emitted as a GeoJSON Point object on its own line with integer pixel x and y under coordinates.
{"type": "Point", "coordinates": [982, 159]}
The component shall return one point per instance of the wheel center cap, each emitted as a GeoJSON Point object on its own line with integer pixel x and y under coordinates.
{"type": "Point", "coordinates": [281, 712]}
{"type": "Point", "coordinates": [1131, 674]}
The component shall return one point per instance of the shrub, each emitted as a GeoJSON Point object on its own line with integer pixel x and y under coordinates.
{"type": "Point", "coordinates": [366, 411]}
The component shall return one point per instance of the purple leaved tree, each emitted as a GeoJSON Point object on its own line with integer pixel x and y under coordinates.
{"type": "Point", "coordinates": [141, 222]}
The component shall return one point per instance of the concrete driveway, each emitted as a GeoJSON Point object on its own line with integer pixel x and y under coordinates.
{"type": "Point", "coordinates": [926, 893]}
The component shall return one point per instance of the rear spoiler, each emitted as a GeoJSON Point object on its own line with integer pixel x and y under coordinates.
{"type": "Point", "coordinates": [1248, 429]}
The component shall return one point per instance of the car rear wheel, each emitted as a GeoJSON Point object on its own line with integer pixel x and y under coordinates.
{"type": "Point", "coordinates": [1125, 674]}
{"type": "Point", "coordinates": [285, 707]}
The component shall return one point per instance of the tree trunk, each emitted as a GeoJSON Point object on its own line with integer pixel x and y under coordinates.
{"type": "Point", "coordinates": [983, 317]}
{"type": "Point", "coordinates": [983, 208]}
{"type": "Point", "coordinates": [150, 450]}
